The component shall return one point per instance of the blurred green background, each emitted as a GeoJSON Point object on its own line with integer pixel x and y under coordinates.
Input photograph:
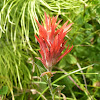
{"type": "Point", "coordinates": [19, 69]}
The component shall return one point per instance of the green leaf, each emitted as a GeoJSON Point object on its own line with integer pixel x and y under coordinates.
{"type": "Point", "coordinates": [62, 63]}
{"type": "Point", "coordinates": [98, 10]}
{"type": "Point", "coordinates": [71, 59]}
{"type": "Point", "coordinates": [3, 90]}
{"type": "Point", "coordinates": [88, 26]}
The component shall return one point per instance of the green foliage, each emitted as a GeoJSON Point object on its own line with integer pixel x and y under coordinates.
{"type": "Point", "coordinates": [17, 44]}
{"type": "Point", "coordinates": [3, 90]}
{"type": "Point", "coordinates": [71, 59]}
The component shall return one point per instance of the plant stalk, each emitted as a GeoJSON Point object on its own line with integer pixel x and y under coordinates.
{"type": "Point", "coordinates": [50, 88]}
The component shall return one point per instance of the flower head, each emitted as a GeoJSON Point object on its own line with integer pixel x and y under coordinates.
{"type": "Point", "coordinates": [52, 41]}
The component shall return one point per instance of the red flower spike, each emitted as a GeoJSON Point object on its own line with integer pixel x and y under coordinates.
{"type": "Point", "coordinates": [52, 41]}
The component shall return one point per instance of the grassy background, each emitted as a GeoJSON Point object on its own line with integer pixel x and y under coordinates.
{"type": "Point", "coordinates": [20, 71]}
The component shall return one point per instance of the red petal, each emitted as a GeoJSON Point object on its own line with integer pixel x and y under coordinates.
{"type": "Point", "coordinates": [66, 52]}
{"type": "Point", "coordinates": [67, 27]}
{"type": "Point", "coordinates": [58, 23]}
{"type": "Point", "coordinates": [47, 22]}
{"type": "Point", "coordinates": [64, 25]}
{"type": "Point", "coordinates": [38, 39]}
{"type": "Point", "coordinates": [42, 32]}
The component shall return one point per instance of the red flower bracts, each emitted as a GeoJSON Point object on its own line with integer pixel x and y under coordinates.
{"type": "Point", "coordinates": [52, 41]}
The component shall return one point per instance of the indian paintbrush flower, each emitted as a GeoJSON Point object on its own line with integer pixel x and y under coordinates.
{"type": "Point", "coordinates": [52, 41]}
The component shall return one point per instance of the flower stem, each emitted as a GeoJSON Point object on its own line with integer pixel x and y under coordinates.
{"type": "Point", "coordinates": [50, 88]}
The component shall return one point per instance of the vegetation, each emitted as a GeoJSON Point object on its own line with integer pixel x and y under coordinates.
{"type": "Point", "coordinates": [77, 74]}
